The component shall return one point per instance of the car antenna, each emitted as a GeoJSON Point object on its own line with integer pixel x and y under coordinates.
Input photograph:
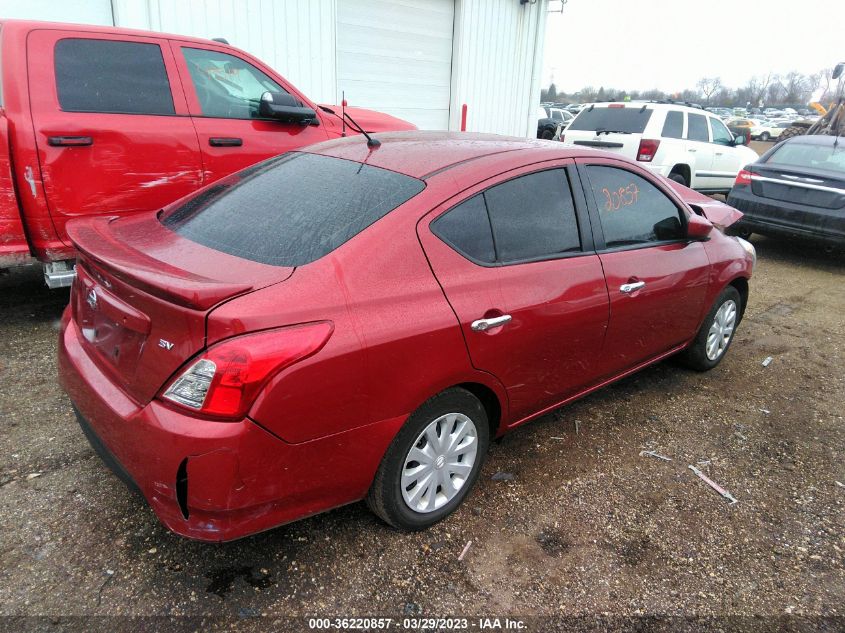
{"type": "Point", "coordinates": [371, 142]}
{"type": "Point", "coordinates": [343, 111]}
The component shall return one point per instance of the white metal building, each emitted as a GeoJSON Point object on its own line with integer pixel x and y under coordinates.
{"type": "Point", "coordinates": [417, 59]}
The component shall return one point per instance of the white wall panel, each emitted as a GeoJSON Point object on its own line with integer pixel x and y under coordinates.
{"type": "Point", "coordinates": [87, 12]}
{"type": "Point", "coordinates": [396, 56]}
{"type": "Point", "coordinates": [295, 37]}
{"type": "Point", "coordinates": [496, 67]}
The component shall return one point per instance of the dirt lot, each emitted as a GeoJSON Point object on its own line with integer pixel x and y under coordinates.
{"type": "Point", "coordinates": [585, 527]}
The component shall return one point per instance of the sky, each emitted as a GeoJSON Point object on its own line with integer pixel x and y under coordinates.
{"type": "Point", "coordinates": [671, 44]}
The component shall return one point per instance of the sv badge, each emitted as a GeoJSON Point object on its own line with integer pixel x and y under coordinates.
{"type": "Point", "coordinates": [165, 344]}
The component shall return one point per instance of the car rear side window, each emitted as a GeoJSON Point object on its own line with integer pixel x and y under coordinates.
{"type": "Point", "coordinates": [632, 210]}
{"type": "Point", "coordinates": [466, 228]}
{"type": "Point", "coordinates": [533, 216]}
{"type": "Point", "coordinates": [111, 76]}
{"type": "Point", "coordinates": [674, 125]}
{"type": "Point", "coordinates": [291, 210]}
{"type": "Point", "coordinates": [697, 128]}
{"type": "Point", "coordinates": [616, 119]}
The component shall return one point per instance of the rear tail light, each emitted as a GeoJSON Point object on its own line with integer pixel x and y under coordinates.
{"type": "Point", "coordinates": [226, 379]}
{"type": "Point", "coordinates": [647, 150]}
{"type": "Point", "coordinates": [743, 177]}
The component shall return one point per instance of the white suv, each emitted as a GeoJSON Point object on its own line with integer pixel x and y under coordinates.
{"type": "Point", "coordinates": [686, 144]}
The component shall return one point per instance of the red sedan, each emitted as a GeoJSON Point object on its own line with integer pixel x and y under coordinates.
{"type": "Point", "coordinates": [348, 322]}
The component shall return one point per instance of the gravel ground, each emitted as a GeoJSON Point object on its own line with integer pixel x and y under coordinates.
{"type": "Point", "coordinates": [586, 526]}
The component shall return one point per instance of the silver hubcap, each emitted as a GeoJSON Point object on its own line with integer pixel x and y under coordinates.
{"type": "Point", "coordinates": [439, 463]}
{"type": "Point", "coordinates": [722, 330]}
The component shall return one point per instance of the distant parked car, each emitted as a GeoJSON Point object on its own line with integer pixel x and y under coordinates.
{"type": "Point", "coordinates": [546, 125]}
{"type": "Point", "coordinates": [797, 188]}
{"type": "Point", "coordinates": [560, 115]}
{"type": "Point", "coordinates": [685, 144]}
{"type": "Point", "coordinates": [768, 130]}
{"type": "Point", "coordinates": [742, 126]}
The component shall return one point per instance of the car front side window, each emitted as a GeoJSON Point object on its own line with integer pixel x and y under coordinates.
{"type": "Point", "coordinates": [226, 86]}
{"type": "Point", "coordinates": [721, 135]}
{"type": "Point", "coordinates": [632, 211]}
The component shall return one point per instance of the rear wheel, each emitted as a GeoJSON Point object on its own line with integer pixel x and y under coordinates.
{"type": "Point", "coordinates": [432, 463]}
{"type": "Point", "coordinates": [678, 177]}
{"type": "Point", "coordinates": [711, 343]}
{"type": "Point", "coordinates": [765, 136]}
{"type": "Point", "coordinates": [547, 135]}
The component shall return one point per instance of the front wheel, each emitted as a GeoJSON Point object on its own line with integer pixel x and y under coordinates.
{"type": "Point", "coordinates": [432, 462]}
{"type": "Point", "coordinates": [711, 342]}
{"type": "Point", "coordinates": [765, 136]}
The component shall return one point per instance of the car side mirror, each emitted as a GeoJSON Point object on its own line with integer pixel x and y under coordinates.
{"type": "Point", "coordinates": [741, 140]}
{"type": "Point", "coordinates": [284, 107]}
{"type": "Point", "coordinates": [698, 228]}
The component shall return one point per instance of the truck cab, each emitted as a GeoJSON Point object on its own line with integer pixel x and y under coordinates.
{"type": "Point", "coordinates": [109, 121]}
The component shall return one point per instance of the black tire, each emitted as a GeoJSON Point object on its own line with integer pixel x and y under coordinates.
{"type": "Point", "coordinates": [765, 136]}
{"type": "Point", "coordinates": [679, 178]}
{"type": "Point", "coordinates": [385, 495]}
{"type": "Point", "coordinates": [794, 130]}
{"type": "Point", "coordinates": [695, 356]}
{"type": "Point", "coordinates": [547, 135]}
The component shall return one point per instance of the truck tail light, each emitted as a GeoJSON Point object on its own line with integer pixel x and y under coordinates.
{"type": "Point", "coordinates": [225, 380]}
{"type": "Point", "coordinates": [743, 178]}
{"type": "Point", "coordinates": [647, 150]}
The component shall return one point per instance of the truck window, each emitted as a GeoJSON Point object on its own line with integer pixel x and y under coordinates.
{"type": "Point", "coordinates": [227, 87]}
{"type": "Point", "coordinates": [111, 76]}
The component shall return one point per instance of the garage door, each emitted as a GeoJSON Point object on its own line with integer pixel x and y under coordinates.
{"type": "Point", "coordinates": [396, 56]}
{"type": "Point", "coordinates": [76, 11]}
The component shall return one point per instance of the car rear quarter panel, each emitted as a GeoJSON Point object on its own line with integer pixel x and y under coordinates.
{"type": "Point", "coordinates": [396, 341]}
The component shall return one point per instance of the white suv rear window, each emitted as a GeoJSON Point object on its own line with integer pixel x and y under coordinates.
{"type": "Point", "coordinates": [629, 120]}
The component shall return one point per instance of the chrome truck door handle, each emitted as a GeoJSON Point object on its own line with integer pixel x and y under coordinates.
{"type": "Point", "coordinates": [482, 325]}
{"type": "Point", "coordinates": [631, 287]}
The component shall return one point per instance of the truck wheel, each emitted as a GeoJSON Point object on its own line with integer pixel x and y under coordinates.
{"type": "Point", "coordinates": [432, 462]}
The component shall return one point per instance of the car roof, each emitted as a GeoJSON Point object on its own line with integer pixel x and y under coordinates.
{"type": "Point", "coordinates": [816, 139]}
{"type": "Point", "coordinates": [655, 105]}
{"type": "Point", "coordinates": [10, 26]}
{"type": "Point", "coordinates": [422, 154]}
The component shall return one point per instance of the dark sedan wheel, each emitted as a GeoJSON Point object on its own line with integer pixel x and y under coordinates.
{"type": "Point", "coordinates": [711, 343]}
{"type": "Point", "coordinates": [432, 462]}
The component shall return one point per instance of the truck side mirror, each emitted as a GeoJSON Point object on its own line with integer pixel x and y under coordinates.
{"type": "Point", "coordinates": [284, 107]}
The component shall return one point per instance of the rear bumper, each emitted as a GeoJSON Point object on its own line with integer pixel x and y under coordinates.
{"type": "Point", "coordinates": [778, 218]}
{"type": "Point", "coordinates": [214, 481]}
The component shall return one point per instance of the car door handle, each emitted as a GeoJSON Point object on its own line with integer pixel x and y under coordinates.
{"type": "Point", "coordinates": [631, 287]}
{"type": "Point", "coordinates": [225, 142]}
{"type": "Point", "coordinates": [482, 325]}
{"type": "Point", "coordinates": [692, 149]}
{"type": "Point", "coordinates": [719, 153]}
{"type": "Point", "coordinates": [69, 141]}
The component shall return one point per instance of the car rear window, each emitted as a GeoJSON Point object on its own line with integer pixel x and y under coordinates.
{"type": "Point", "coordinates": [824, 157]}
{"type": "Point", "coordinates": [604, 119]}
{"type": "Point", "coordinates": [291, 210]}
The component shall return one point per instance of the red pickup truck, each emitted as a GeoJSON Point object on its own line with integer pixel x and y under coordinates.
{"type": "Point", "coordinates": [101, 120]}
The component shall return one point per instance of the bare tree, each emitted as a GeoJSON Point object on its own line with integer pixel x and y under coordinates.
{"type": "Point", "coordinates": [708, 86]}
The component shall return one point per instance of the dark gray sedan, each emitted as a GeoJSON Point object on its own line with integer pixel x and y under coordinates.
{"type": "Point", "coordinates": [797, 189]}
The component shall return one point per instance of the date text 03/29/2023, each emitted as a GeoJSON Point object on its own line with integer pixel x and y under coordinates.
{"type": "Point", "coordinates": [417, 624]}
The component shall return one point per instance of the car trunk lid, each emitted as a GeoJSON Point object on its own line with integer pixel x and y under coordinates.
{"type": "Point", "coordinates": [142, 295]}
{"type": "Point", "coordinates": [805, 186]}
